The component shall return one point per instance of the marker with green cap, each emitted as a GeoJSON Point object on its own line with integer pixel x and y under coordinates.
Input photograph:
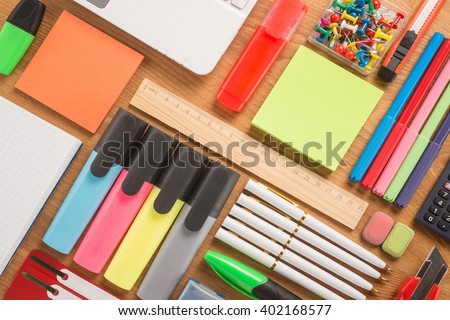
{"type": "Point", "coordinates": [245, 279]}
{"type": "Point", "coordinates": [18, 33]}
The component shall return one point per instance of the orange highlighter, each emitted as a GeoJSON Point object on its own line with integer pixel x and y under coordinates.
{"type": "Point", "coordinates": [260, 53]}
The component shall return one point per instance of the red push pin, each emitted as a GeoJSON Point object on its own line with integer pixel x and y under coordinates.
{"type": "Point", "coordinates": [384, 23]}
{"type": "Point", "coordinates": [340, 49]}
{"type": "Point", "coordinates": [370, 33]}
{"type": "Point", "coordinates": [369, 42]}
{"type": "Point", "coordinates": [376, 4]}
{"type": "Point", "coordinates": [335, 17]}
{"type": "Point", "coordinates": [399, 16]}
{"type": "Point", "coordinates": [346, 33]}
{"type": "Point", "coordinates": [350, 55]}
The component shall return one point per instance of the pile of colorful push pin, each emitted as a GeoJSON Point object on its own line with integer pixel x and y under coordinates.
{"type": "Point", "coordinates": [358, 30]}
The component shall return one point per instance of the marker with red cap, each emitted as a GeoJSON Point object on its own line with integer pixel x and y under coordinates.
{"type": "Point", "coordinates": [261, 52]}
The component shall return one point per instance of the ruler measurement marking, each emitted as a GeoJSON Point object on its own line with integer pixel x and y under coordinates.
{"type": "Point", "coordinates": [346, 209]}
{"type": "Point", "coordinates": [261, 150]}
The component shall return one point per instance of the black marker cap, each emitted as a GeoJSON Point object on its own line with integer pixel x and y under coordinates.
{"type": "Point", "coordinates": [28, 15]}
{"type": "Point", "coordinates": [387, 73]}
{"type": "Point", "coordinates": [210, 195]}
{"type": "Point", "coordinates": [124, 131]}
{"type": "Point", "coordinates": [177, 182]}
{"type": "Point", "coordinates": [151, 160]}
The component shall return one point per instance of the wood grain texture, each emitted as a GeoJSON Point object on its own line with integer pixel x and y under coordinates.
{"type": "Point", "coordinates": [201, 90]}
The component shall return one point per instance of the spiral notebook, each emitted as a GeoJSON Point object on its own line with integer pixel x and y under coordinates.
{"type": "Point", "coordinates": [34, 156]}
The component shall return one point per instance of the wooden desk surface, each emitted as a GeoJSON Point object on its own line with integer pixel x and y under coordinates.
{"type": "Point", "coordinates": [201, 91]}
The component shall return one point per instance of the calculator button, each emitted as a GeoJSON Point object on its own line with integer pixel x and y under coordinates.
{"type": "Point", "coordinates": [447, 185]}
{"type": "Point", "coordinates": [439, 202]}
{"type": "Point", "coordinates": [429, 218]}
{"type": "Point", "coordinates": [434, 210]}
{"type": "Point", "coordinates": [443, 226]}
{"type": "Point", "coordinates": [444, 194]}
{"type": "Point", "coordinates": [446, 217]}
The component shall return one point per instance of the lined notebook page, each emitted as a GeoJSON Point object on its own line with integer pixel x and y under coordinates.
{"type": "Point", "coordinates": [33, 157]}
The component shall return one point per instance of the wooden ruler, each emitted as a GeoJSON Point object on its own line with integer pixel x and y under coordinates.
{"type": "Point", "coordinates": [206, 129]}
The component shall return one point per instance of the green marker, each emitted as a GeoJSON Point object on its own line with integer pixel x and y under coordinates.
{"type": "Point", "coordinates": [246, 280]}
{"type": "Point", "coordinates": [18, 33]}
{"type": "Point", "coordinates": [418, 147]}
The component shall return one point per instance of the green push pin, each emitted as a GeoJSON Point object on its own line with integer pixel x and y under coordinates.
{"type": "Point", "coordinates": [371, 7]}
{"type": "Point", "coordinates": [325, 33]}
{"type": "Point", "coordinates": [337, 3]}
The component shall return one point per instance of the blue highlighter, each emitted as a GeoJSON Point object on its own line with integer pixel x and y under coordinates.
{"type": "Point", "coordinates": [98, 175]}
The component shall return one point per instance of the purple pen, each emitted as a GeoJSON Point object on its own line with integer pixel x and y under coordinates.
{"type": "Point", "coordinates": [424, 164]}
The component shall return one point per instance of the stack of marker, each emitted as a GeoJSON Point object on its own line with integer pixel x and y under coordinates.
{"type": "Point", "coordinates": [359, 30]}
{"type": "Point", "coordinates": [405, 132]}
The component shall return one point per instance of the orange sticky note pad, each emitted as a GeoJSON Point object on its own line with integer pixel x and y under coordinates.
{"type": "Point", "coordinates": [79, 71]}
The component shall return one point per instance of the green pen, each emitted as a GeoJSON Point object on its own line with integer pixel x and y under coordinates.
{"type": "Point", "coordinates": [18, 33]}
{"type": "Point", "coordinates": [245, 279]}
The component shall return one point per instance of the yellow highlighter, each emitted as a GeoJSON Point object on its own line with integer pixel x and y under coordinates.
{"type": "Point", "coordinates": [156, 217]}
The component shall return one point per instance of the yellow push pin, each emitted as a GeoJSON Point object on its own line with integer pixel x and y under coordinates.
{"type": "Point", "coordinates": [381, 35]}
{"type": "Point", "coordinates": [374, 57]}
{"type": "Point", "coordinates": [333, 27]}
{"type": "Point", "coordinates": [381, 47]}
{"type": "Point", "coordinates": [348, 17]}
{"type": "Point", "coordinates": [352, 46]}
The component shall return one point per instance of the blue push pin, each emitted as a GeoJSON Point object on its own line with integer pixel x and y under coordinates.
{"type": "Point", "coordinates": [320, 38]}
{"type": "Point", "coordinates": [366, 24]}
{"type": "Point", "coordinates": [363, 58]}
{"type": "Point", "coordinates": [358, 8]}
{"type": "Point", "coordinates": [365, 48]}
{"type": "Point", "coordinates": [360, 3]}
{"type": "Point", "coordinates": [354, 12]}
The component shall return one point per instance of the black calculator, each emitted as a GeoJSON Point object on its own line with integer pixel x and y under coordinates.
{"type": "Point", "coordinates": [435, 211]}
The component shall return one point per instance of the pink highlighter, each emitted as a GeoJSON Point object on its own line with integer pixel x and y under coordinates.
{"type": "Point", "coordinates": [124, 200]}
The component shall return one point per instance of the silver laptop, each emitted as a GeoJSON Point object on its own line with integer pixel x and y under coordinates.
{"type": "Point", "coordinates": [194, 33]}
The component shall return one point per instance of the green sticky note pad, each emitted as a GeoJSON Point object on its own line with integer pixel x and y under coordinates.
{"type": "Point", "coordinates": [317, 107]}
{"type": "Point", "coordinates": [398, 240]}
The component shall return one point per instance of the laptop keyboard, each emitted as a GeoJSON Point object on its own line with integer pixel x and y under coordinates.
{"type": "Point", "coordinates": [239, 4]}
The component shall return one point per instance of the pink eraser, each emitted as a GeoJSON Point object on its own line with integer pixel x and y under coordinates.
{"type": "Point", "coordinates": [378, 228]}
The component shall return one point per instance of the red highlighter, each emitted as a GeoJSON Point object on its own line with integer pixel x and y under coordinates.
{"type": "Point", "coordinates": [260, 53]}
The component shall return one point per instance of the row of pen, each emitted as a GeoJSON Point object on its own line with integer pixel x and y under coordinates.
{"type": "Point", "coordinates": [278, 234]}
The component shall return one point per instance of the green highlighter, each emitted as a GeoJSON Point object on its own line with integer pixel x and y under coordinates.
{"type": "Point", "coordinates": [18, 33]}
{"type": "Point", "coordinates": [246, 280]}
{"type": "Point", "coordinates": [419, 146]}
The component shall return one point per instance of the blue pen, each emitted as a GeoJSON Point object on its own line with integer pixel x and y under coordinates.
{"type": "Point", "coordinates": [94, 181]}
{"type": "Point", "coordinates": [388, 121]}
